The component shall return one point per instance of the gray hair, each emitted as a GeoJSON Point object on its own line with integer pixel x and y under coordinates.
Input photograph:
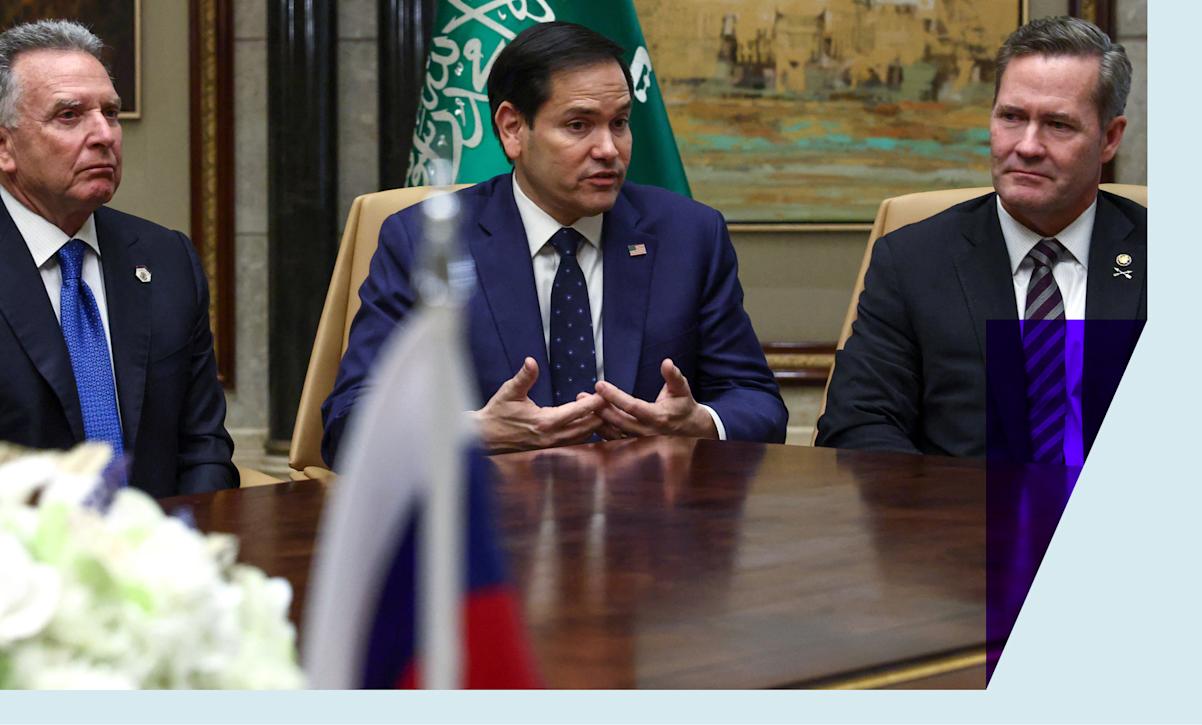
{"type": "Point", "coordinates": [1073, 37]}
{"type": "Point", "coordinates": [39, 35]}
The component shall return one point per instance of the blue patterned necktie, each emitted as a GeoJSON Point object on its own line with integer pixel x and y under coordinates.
{"type": "Point", "coordinates": [1043, 348]}
{"type": "Point", "coordinates": [572, 348]}
{"type": "Point", "coordinates": [88, 347]}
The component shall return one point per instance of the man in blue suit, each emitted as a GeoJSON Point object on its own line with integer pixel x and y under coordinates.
{"type": "Point", "coordinates": [602, 308]}
{"type": "Point", "coordinates": [104, 325]}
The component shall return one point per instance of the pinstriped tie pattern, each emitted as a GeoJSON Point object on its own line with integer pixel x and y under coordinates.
{"type": "Point", "coordinates": [88, 348]}
{"type": "Point", "coordinates": [572, 350]}
{"type": "Point", "coordinates": [1043, 348]}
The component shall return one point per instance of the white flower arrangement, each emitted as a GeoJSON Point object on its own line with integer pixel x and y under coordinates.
{"type": "Point", "coordinates": [128, 598]}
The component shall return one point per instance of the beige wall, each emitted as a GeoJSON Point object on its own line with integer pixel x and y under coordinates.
{"type": "Point", "coordinates": [155, 182]}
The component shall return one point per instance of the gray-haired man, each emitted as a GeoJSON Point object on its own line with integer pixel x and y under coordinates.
{"type": "Point", "coordinates": [104, 327]}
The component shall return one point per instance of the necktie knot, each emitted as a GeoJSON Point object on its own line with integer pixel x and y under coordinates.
{"type": "Point", "coordinates": [70, 259]}
{"type": "Point", "coordinates": [1046, 252]}
{"type": "Point", "coordinates": [566, 241]}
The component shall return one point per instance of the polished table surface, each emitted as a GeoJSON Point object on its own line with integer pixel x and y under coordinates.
{"type": "Point", "coordinates": [667, 563]}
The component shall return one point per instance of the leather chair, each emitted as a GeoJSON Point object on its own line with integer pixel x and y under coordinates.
{"type": "Point", "coordinates": [898, 211]}
{"type": "Point", "coordinates": [359, 240]}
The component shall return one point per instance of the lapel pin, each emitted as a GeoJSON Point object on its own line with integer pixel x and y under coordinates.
{"type": "Point", "coordinates": [142, 274]}
{"type": "Point", "coordinates": [1123, 260]}
{"type": "Point", "coordinates": [636, 250]}
{"type": "Point", "coordinates": [1124, 273]}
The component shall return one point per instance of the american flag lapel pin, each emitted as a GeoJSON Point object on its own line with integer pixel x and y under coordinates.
{"type": "Point", "coordinates": [636, 250]}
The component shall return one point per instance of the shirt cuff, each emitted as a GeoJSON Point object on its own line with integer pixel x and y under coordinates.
{"type": "Point", "coordinates": [717, 421]}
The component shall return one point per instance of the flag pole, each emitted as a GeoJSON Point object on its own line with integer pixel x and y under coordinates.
{"type": "Point", "coordinates": [441, 566]}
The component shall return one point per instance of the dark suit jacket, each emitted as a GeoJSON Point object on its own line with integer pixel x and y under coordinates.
{"type": "Point", "coordinates": [939, 295]}
{"type": "Point", "coordinates": [172, 407]}
{"type": "Point", "coordinates": [682, 300]}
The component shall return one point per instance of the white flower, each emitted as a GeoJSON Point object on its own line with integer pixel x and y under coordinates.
{"type": "Point", "coordinates": [29, 595]}
{"type": "Point", "coordinates": [131, 598]}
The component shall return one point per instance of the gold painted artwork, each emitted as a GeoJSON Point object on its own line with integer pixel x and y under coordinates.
{"type": "Point", "coordinates": [816, 110]}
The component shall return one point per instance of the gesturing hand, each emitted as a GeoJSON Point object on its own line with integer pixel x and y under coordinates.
{"type": "Point", "coordinates": [674, 411]}
{"type": "Point", "coordinates": [510, 421]}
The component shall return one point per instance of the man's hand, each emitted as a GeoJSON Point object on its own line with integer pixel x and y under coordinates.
{"type": "Point", "coordinates": [674, 411]}
{"type": "Point", "coordinates": [510, 421]}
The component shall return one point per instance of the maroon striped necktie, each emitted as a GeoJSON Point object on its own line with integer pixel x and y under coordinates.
{"type": "Point", "coordinates": [1043, 348]}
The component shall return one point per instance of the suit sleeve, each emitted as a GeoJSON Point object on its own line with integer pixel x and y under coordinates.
{"type": "Point", "coordinates": [386, 298]}
{"type": "Point", "coordinates": [205, 448]}
{"type": "Point", "coordinates": [732, 376]}
{"type": "Point", "coordinates": [876, 386]}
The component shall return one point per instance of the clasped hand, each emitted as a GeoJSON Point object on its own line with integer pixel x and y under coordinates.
{"type": "Point", "coordinates": [510, 421]}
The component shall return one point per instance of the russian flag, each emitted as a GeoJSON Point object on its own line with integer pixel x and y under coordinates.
{"type": "Point", "coordinates": [409, 586]}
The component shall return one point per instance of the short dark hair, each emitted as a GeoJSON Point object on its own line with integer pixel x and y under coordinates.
{"type": "Point", "coordinates": [1073, 37]}
{"type": "Point", "coordinates": [522, 72]}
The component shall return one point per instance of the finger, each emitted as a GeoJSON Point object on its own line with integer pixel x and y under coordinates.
{"type": "Point", "coordinates": [519, 385]}
{"type": "Point", "coordinates": [610, 433]}
{"type": "Point", "coordinates": [576, 432]}
{"type": "Point", "coordinates": [624, 422]}
{"type": "Point", "coordinates": [561, 415]}
{"type": "Point", "coordinates": [674, 380]}
{"type": "Point", "coordinates": [640, 409]}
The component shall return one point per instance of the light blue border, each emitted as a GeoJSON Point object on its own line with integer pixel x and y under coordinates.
{"type": "Point", "coordinates": [1111, 630]}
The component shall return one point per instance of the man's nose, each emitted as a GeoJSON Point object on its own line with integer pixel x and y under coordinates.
{"type": "Point", "coordinates": [1030, 144]}
{"type": "Point", "coordinates": [605, 147]}
{"type": "Point", "coordinates": [102, 130]}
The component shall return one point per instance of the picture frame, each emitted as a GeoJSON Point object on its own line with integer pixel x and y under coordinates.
{"type": "Point", "coordinates": [802, 115]}
{"type": "Point", "coordinates": [117, 22]}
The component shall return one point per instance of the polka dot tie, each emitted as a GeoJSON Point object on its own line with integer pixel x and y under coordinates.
{"type": "Point", "coordinates": [88, 347]}
{"type": "Point", "coordinates": [572, 350]}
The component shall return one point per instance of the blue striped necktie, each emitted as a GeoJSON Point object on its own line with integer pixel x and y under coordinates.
{"type": "Point", "coordinates": [88, 347]}
{"type": "Point", "coordinates": [572, 350]}
{"type": "Point", "coordinates": [1043, 349]}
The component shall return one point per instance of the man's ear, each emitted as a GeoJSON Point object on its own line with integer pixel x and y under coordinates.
{"type": "Point", "coordinates": [8, 164]}
{"type": "Point", "coordinates": [1112, 136]}
{"type": "Point", "coordinates": [511, 125]}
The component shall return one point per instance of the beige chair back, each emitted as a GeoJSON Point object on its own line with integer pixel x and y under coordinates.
{"type": "Point", "coordinates": [359, 240]}
{"type": "Point", "coordinates": [898, 211]}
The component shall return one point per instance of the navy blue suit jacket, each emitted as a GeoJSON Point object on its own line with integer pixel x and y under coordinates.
{"type": "Point", "coordinates": [935, 363]}
{"type": "Point", "coordinates": [680, 300]}
{"type": "Point", "coordinates": [172, 407]}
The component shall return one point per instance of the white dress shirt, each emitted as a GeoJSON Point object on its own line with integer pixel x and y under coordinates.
{"type": "Point", "coordinates": [540, 227]}
{"type": "Point", "coordinates": [1071, 277]}
{"type": "Point", "coordinates": [44, 240]}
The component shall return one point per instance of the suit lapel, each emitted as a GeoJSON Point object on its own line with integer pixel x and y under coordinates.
{"type": "Point", "coordinates": [626, 289]}
{"type": "Point", "coordinates": [1114, 310]}
{"type": "Point", "coordinates": [506, 275]}
{"type": "Point", "coordinates": [129, 306]}
{"type": "Point", "coordinates": [983, 266]}
{"type": "Point", "coordinates": [1109, 295]}
{"type": "Point", "coordinates": [23, 302]}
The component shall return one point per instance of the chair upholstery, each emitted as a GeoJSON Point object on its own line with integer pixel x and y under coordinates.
{"type": "Point", "coordinates": [359, 240]}
{"type": "Point", "coordinates": [896, 212]}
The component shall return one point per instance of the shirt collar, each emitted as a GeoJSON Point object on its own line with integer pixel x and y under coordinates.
{"type": "Point", "coordinates": [541, 226]}
{"type": "Point", "coordinates": [43, 238]}
{"type": "Point", "coordinates": [1021, 240]}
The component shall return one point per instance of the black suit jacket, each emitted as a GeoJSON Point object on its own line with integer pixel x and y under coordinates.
{"type": "Point", "coordinates": [172, 407]}
{"type": "Point", "coordinates": [938, 296]}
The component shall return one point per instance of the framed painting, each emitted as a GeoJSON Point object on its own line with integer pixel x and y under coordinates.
{"type": "Point", "coordinates": [813, 111]}
{"type": "Point", "coordinates": [117, 22]}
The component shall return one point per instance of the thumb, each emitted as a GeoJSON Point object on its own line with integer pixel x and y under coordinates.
{"type": "Point", "coordinates": [674, 380]}
{"type": "Point", "coordinates": [519, 385]}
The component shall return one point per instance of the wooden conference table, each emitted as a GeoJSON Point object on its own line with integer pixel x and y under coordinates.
{"type": "Point", "coordinates": [678, 563]}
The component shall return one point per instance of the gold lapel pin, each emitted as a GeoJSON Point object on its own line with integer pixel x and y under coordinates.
{"type": "Point", "coordinates": [1123, 260]}
{"type": "Point", "coordinates": [142, 274]}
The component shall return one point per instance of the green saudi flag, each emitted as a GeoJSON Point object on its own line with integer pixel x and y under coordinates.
{"type": "Point", "coordinates": [453, 118]}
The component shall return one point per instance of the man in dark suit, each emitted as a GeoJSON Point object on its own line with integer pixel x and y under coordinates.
{"type": "Point", "coordinates": [602, 308]}
{"type": "Point", "coordinates": [1002, 326]}
{"type": "Point", "coordinates": [104, 330]}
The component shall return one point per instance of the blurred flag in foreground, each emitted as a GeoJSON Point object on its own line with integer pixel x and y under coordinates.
{"type": "Point", "coordinates": [408, 586]}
